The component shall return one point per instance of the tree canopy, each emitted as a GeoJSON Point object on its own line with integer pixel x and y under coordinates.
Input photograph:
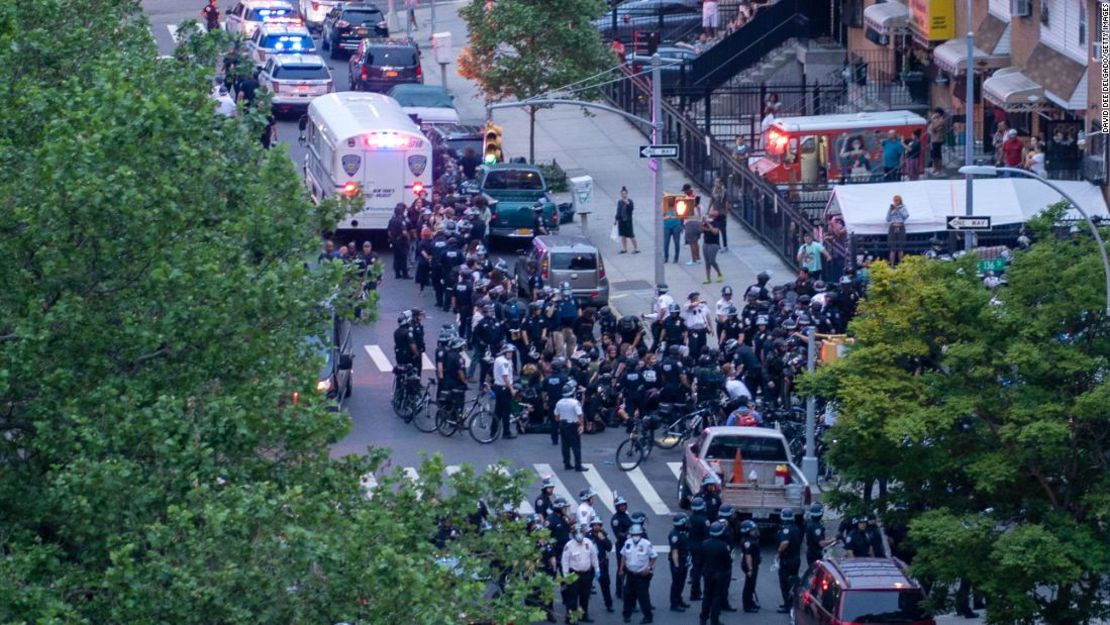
{"type": "Point", "coordinates": [987, 411]}
{"type": "Point", "coordinates": [519, 49]}
{"type": "Point", "coordinates": [153, 327]}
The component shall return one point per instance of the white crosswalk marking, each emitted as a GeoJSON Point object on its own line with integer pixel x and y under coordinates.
{"type": "Point", "coordinates": [647, 491]}
{"type": "Point", "coordinates": [560, 489]}
{"type": "Point", "coordinates": [379, 358]}
{"type": "Point", "coordinates": [599, 486]}
{"type": "Point", "coordinates": [411, 474]}
{"type": "Point", "coordinates": [452, 469]}
{"type": "Point", "coordinates": [675, 467]}
{"type": "Point", "coordinates": [173, 31]}
{"type": "Point", "coordinates": [426, 363]}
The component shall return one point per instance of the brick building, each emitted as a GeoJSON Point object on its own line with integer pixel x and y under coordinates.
{"type": "Point", "coordinates": [1036, 65]}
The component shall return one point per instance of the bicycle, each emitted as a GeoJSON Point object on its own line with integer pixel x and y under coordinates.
{"type": "Point", "coordinates": [454, 414]}
{"type": "Point", "coordinates": [423, 406]}
{"type": "Point", "coordinates": [485, 427]}
{"type": "Point", "coordinates": [407, 392]}
{"type": "Point", "coordinates": [683, 428]}
{"type": "Point", "coordinates": [637, 447]}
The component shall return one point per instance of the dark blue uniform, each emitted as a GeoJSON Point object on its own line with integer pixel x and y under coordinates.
{"type": "Point", "coordinates": [790, 559]}
{"type": "Point", "coordinates": [679, 542]}
{"type": "Point", "coordinates": [749, 548]}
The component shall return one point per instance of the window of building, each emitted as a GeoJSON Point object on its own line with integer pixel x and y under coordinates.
{"type": "Point", "coordinates": [1082, 23]}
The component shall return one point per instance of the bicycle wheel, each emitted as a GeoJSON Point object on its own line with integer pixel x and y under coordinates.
{"type": "Point", "coordinates": [630, 454]}
{"type": "Point", "coordinates": [425, 417]}
{"type": "Point", "coordinates": [414, 403]}
{"type": "Point", "coordinates": [400, 394]}
{"type": "Point", "coordinates": [670, 436]}
{"type": "Point", "coordinates": [484, 427]}
{"type": "Point", "coordinates": [447, 419]}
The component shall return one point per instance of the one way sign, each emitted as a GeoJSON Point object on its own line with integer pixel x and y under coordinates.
{"type": "Point", "coordinates": [668, 150]}
{"type": "Point", "coordinates": [956, 222]}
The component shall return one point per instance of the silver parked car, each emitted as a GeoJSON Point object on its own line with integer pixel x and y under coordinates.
{"type": "Point", "coordinates": [570, 259]}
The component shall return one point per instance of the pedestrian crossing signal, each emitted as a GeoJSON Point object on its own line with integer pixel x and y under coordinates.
{"type": "Point", "coordinates": [491, 146]}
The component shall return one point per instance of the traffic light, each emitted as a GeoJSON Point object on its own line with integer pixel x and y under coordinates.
{"type": "Point", "coordinates": [684, 206]}
{"type": "Point", "coordinates": [491, 147]}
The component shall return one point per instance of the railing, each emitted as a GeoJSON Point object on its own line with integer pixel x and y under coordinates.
{"type": "Point", "coordinates": [631, 25]}
{"type": "Point", "coordinates": [875, 82]}
{"type": "Point", "coordinates": [768, 29]}
{"type": "Point", "coordinates": [758, 205]}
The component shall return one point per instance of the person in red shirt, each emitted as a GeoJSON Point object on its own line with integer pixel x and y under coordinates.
{"type": "Point", "coordinates": [1013, 150]}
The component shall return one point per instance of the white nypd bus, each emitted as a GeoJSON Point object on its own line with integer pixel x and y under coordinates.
{"type": "Point", "coordinates": [365, 141]}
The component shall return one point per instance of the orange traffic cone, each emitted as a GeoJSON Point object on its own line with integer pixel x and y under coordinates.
{"type": "Point", "coordinates": [737, 469]}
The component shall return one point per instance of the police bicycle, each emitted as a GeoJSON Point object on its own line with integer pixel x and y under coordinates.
{"type": "Point", "coordinates": [637, 447]}
{"type": "Point", "coordinates": [424, 407]}
{"type": "Point", "coordinates": [684, 423]}
{"type": "Point", "coordinates": [454, 412]}
{"type": "Point", "coordinates": [485, 427]}
{"type": "Point", "coordinates": [407, 388]}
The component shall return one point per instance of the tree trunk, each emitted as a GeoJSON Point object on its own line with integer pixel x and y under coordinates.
{"type": "Point", "coordinates": [532, 134]}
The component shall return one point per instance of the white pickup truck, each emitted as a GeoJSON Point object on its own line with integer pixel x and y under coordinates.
{"type": "Point", "coordinates": [765, 482]}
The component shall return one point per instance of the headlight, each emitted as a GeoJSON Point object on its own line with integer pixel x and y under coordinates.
{"type": "Point", "coordinates": [324, 386]}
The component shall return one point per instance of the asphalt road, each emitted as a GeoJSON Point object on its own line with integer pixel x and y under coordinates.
{"type": "Point", "coordinates": [652, 489]}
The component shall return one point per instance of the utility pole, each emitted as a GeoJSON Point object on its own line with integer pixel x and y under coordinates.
{"type": "Point", "coordinates": [809, 462]}
{"type": "Point", "coordinates": [431, 31]}
{"type": "Point", "coordinates": [655, 164]}
{"type": "Point", "coordinates": [969, 125]}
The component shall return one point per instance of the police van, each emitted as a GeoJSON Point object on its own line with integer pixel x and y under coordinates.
{"type": "Point", "coordinates": [365, 141]}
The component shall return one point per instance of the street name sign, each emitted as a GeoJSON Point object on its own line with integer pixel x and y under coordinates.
{"type": "Point", "coordinates": [659, 151]}
{"type": "Point", "coordinates": [957, 222]}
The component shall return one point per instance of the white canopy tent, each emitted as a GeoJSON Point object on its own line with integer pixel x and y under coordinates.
{"type": "Point", "coordinates": [1006, 200]}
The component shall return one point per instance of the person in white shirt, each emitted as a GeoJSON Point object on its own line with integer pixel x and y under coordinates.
{"type": "Point", "coordinates": [724, 303]}
{"type": "Point", "coordinates": [663, 301]}
{"type": "Point", "coordinates": [696, 317]}
{"type": "Point", "coordinates": [579, 558]}
{"type": "Point", "coordinates": [637, 565]}
{"type": "Point", "coordinates": [224, 104]}
{"type": "Point", "coordinates": [568, 412]}
{"type": "Point", "coordinates": [503, 389]}
{"type": "Point", "coordinates": [586, 511]}
{"type": "Point", "coordinates": [733, 385]}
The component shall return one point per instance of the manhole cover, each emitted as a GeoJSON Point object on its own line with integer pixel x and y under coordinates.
{"type": "Point", "coordinates": [631, 285]}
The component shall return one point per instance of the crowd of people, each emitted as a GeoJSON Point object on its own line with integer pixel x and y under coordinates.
{"type": "Point", "coordinates": [704, 546]}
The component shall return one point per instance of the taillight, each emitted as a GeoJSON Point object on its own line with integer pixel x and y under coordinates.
{"type": "Point", "coordinates": [365, 72]}
{"type": "Point", "coordinates": [601, 272]}
{"type": "Point", "coordinates": [419, 72]}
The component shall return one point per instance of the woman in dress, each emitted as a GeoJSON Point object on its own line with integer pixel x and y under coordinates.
{"type": "Point", "coordinates": [624, 223]}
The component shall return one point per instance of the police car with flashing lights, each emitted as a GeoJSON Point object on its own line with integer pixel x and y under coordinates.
{"type": "Point", "coordinates": [272, 39]}
{"type": "Point", "coordinates": [248, 15]}
{"type": "Point", "coordinates": [295, 80]}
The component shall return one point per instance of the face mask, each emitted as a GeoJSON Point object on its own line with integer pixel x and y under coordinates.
{"type": "Point", "coordinates": [579, 537]}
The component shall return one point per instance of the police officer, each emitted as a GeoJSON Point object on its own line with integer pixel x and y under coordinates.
{"type": "Point", "coordinates": [552, 389]}
{"type": "Point", "coordinates": [699, 532]}
{"type": "Point", "coordinates": [730, 326]}
{"type": "Point", "coordinates": [489, 333]}
{"type": "Point", "coordinates": [674, 328]}
{"type": "Point", "coordinates": [416, 325]}
{"type": "Point", "coordinates": [438, 269]}
{"type": "Point", "coordinates": [717, 562]}
{"type": "Point", "coordinates": [558, 523]}
{"type": "Point", "coordinates": [572, 422]}
{"type": "Point", "coordinates": [585, 513]}
{"type": "Point", "coordinates": [545, 504]}
{"type": "Point", "coordinates": [672, 373]}
{"type": "Point", "coordinates": [679, 557]}
{"type": "Point", "coordinates": [857, 542]}
{"type": "Point", "coordinates": [462, 301]}
{"type": "Point", "coordinates": [663, 302]}
{"type": "Point", "coordinates": [749, 563]}
{"type": "Point", "coordinates": [727, 515]}
{"type": "Point", "coordinates": [404, 348]}
{"type": "Point", "coordinates": [579, 558]}
{"type": "Point", "coordinates": [711, 494]}
{"type": "Point", "coordinates": [399, 239]}
{"type": "Point", "coordinates": [454, 373]}
{"type": "Point", "coordinates": [816, 541]}
{"type": "Point", "coordinates": [621, 523]}
{"type": "Point", "coordinates": [638, 565]}
{"type": "Point", "coordinates": [789, 555]}
{"type": "Point", "coordinates": [875, 536]}
{"type": "Point", "coordinates": [604, 546]}
{"type": "Point", "coordinates": [550, 565]}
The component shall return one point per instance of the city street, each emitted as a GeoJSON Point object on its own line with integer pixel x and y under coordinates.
{"type": "Point", "coordinates": [652, 487]}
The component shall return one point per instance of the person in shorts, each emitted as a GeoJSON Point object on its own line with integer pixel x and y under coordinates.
{"type": "Point", "coordinates": [710, 18]}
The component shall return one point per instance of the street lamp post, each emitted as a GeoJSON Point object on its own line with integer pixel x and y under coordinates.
{"type": "Point", "coordinates": [969, 124]}
{"type": "Point", "coordinates": [809, 461]}
{"type": "Point", "coordinates": [989, 170]}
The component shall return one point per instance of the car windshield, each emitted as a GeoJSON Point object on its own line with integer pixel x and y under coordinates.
{"type": "Point", "coordinates": [883, 606]}
{"type": "Point", "coordinates": [573, 262]}
{"type": "Point", "coordinates": [288, 43]}
{"type": "Point", "coordinates": [362, 17]}
{"type": "Point", "coordinates": [391, 57]}
{"type": "Point", "coordinates": [753, 448]}
{"type": "Point", "coordinates": [423, 97]}
{"type": "Point", "coordinates": [301, 72]}
{"type": "Point", "coordinates": [513, 179]}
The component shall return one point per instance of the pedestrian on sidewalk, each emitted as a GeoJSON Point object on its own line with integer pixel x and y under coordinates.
{"type": "Point", "coordinates": [1013, 151]}
{"type": "Point", "coordinates": [938, 129]}
{"type": "Point", "coordinates": [914, 163]}
{"type": "Point", "coordinates": [712, 229]}
{"type": "Point", "coordinates": [672, 229]}
{"type": "Point", "coordinates": [710, 18]}
{"type": "Point", "coordinates": [717, 195]}
{"type": "Point", "coordinates": [624, 222]}
{"type": "Point", "coordinates": [893, 152]}
{"type": "Point", "coordinates": [810, 254]}
{"type": "Point", "coordinates": [692, 227]}
{"type": "Point", "coordinates": [896, 216]}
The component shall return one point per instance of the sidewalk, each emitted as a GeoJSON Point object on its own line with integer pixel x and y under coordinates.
{"type": "Point", "coordinates": [605, 147]}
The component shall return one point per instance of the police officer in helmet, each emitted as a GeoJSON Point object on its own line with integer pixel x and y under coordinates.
{"type": "Point", "coordinates": [816, 541]}
{"type": "Point", "coordinates": [717, 562]}
{"type": "Point", "coordinates": [679, 558]}
{"type": "Point", "coordinates": [749, 563]}
{"type": "Point", "coordinates": [789, 555]}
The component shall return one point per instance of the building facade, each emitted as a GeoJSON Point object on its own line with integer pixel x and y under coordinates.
{"type": "Point", "coordinates": [1038, 67]}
